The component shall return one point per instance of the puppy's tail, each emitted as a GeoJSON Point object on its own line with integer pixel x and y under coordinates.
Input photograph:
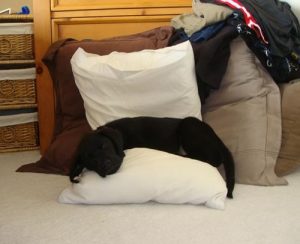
{"type": "Point", "coordinates": [229, 172]}
{"type": "Point", "coordinates": [75, 172]}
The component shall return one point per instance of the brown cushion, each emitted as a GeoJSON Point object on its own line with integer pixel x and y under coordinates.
{"type": "Point", "coordinates": [69, 102]}
{"type": "Point", "coordinates": [289, 155]}
{"type": "Point", "coordinates": [61, 154]}
{"type": "Point", "coordinates": [70, 122]}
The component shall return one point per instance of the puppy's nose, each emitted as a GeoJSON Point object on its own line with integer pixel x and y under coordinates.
{"type": "Point", "coordinates": [107, 162]}
{"type": "Point", "coordinates": [103, 167]}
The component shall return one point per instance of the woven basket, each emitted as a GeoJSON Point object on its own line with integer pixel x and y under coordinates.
{"type": "Point", "coordinates": [17, 93]}
{"type": "Point", "coordinates": [19, 137]}
{"type": "Point", "coordinates": [16, 47]}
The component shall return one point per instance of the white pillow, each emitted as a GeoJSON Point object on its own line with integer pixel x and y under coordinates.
{"type": "Point", "coordinates": [159, 83]}
{"type": "Point", "coordinates": [151, 175]}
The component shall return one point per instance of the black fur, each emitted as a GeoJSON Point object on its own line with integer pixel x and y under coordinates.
{"type": "Point", "coordinates": [102, 150]}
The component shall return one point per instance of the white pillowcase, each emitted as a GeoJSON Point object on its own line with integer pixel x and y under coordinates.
{"type": "Point", "coordinates": [151, 175]}
{"type": "Point", "coordinates": [159, 83]}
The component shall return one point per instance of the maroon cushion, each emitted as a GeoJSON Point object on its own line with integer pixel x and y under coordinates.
{"type": "Point", "coordinates": [70, 122]}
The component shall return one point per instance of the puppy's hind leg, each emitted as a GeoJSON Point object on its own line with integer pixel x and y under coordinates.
{"type": "Point", "coordinates": [229, 171]}
{"type": "Point", "coordinates": [200, 142]}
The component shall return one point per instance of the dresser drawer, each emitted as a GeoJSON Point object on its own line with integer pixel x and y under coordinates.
{"type": "Point", "coordinates": [105, 27]}
{"type": "Point", "coordinates": [57, 5]}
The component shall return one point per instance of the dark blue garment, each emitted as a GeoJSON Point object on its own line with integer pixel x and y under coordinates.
{"type": "Point", "coordinates": [203, 34]}
{"type": "Point", "coordinates": [178, 36]}
{"type": "Point", "coordinates": [282, 69]}
{"type": "Point", "coordinates": [207, 32]}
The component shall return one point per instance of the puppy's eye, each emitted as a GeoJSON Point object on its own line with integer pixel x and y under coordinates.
{"type": "Point", "coordinates": [102, 146]}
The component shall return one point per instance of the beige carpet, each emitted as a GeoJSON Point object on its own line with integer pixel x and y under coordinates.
{"type": "Point", "coordinates": [30, 214]}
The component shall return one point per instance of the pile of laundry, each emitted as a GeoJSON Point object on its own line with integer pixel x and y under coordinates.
{"type": "Point", "coordinates": [269, 28]}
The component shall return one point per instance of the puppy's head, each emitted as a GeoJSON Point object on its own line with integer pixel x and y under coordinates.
{"type": "Point", "coordinates": [100, 151]}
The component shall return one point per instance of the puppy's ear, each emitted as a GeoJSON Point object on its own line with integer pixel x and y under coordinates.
{"type": "Point", "coordinates": [76, 170]}
{"type": "Point", "coordinates": [115, 136]}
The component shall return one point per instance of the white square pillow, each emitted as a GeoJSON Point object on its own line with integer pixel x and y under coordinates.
{"type": "Point", "coordinates": [151, 175]}
{"type": "Point", "coordinates": [159, 83]}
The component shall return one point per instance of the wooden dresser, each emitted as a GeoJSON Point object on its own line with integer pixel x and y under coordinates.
{"type": "Point", "coordinates": [93, 19]}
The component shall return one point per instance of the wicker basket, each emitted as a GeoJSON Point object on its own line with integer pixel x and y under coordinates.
{"type": "Point", "coordinates": [19, 137]}
{"type": "Point", "coordinates": [16, 38]}
{"type": "Point", "coordinates": [16, 47]}
{"type": "Point", "coordinates": [17, 93]}
{"type": "Point", "coordinates": [17, 88]}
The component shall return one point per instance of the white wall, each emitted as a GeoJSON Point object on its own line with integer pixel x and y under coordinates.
{"type": "Point", "coordinates": [295, 4]}
{"type": "Point", "coordinates": [16, 5]}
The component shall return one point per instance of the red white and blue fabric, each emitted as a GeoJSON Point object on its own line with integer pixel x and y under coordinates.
{"type": "Point", "coordinates": [249, 19]}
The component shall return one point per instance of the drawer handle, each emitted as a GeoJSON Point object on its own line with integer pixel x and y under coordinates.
{"type": "Point", "coordinates": [7, 88]}
{"type": "Point", "coordinates": [39, 70]}
{"type": "Point", "coordinates": [5, 46]}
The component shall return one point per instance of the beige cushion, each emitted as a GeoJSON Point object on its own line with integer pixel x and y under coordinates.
{"type": "Point", "coordinates": [245, 113]}
{"type": "Point", "coordinates": [289, 156]}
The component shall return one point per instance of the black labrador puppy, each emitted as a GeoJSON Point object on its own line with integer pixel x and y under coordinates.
{"type": "Point", "coordinates": [103, 149]}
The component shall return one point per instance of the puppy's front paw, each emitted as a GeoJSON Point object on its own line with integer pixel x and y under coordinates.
{"type": "Point", "coordinates": [76, 179]}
